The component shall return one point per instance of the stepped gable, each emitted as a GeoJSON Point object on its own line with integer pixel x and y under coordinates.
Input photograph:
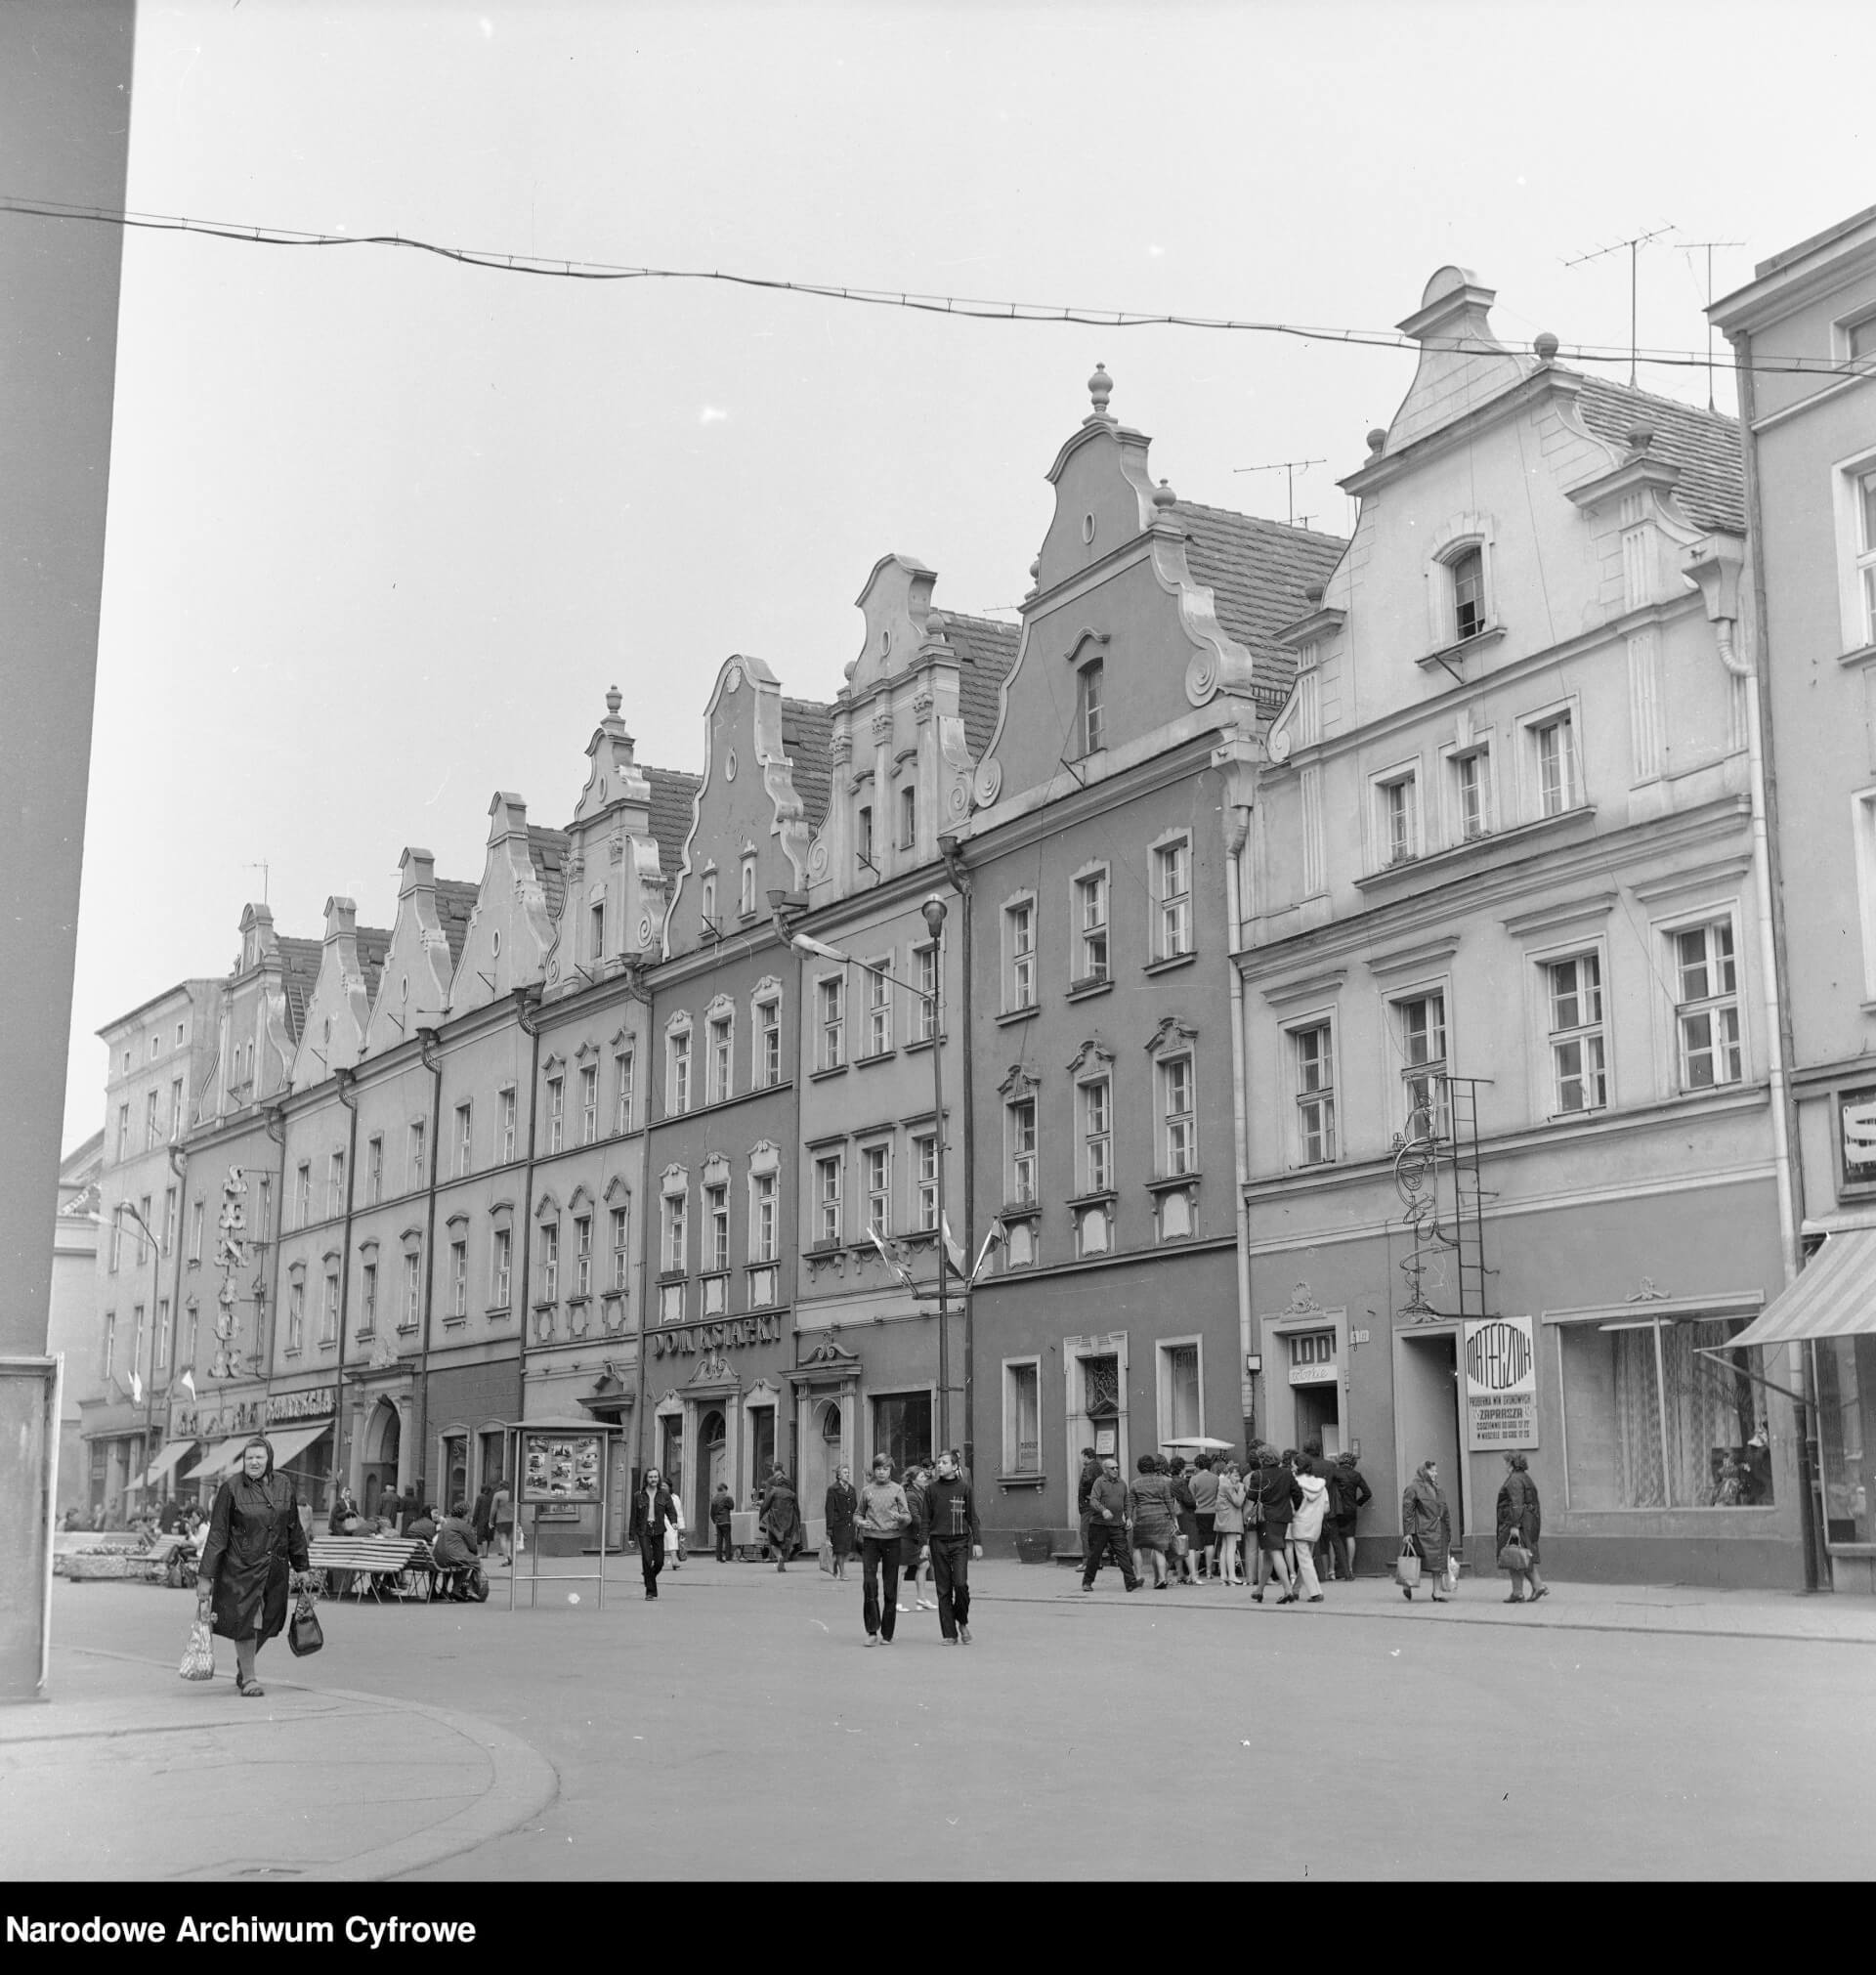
{"type": "Point", "coordinates": [1259, 573]}
{"type": "Point", "coordinates": [455, 901]}
{"type": "Point", "coordinates": [987, 655]}
{"type": "Point", "coordinates": [673, 795]}
{"type": "Point", "coordinates": [299, 969]}
{"type": "Point", "coordinates": [1704, 444]}
{"type": "Point", "coordinates": [807, 739]}
{"type": "Point", "coordinates": [548, 850]}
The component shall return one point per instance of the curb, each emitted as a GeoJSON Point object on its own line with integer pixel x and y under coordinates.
{"type": "Point", "coordinates": [523, 1784]}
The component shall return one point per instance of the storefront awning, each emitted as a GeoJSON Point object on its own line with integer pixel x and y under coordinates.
{"type": "Point", "coordinates": [1835, 1295]}
{"type": "Point", "coordinates": [219, 1456]}
{"type": "Point", "coordinates": [163, 1462]}
{"type": "Point", "coordinates": [291, 1441]}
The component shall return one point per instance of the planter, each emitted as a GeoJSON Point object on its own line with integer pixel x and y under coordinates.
{"type": "Point", "coordinates": [1034, 1546]}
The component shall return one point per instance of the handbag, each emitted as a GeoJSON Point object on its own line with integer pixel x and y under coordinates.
{"type": "Point", "coordinates": [1514, 1557]}
{"type": "Point", "coordinates": [827, 1556]}
{"type": "Point", "coordinates": [1407, 1565]}
{"type": "Point", "coordinates": [303, 1635]}
{"type": "Point", "coordinates": [199, 1655]}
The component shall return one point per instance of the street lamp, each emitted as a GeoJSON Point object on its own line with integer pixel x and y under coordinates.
{"type": "Point", "coordinates": [155, 1304]}
{"type": "Point", "coordinates": [933, 909]}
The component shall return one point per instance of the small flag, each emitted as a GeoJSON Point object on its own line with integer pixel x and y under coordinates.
{"type": "Point", "coordinates": [188, 1383]}
{"type": "Point", "coordinates": [954, 1253]}
{"type": "Point", "coordinates": [135, 1386]}
{"type": "Point", "coordinates": [891, 1260]}
{"type": "Point", "coordinates": [994, 1235]}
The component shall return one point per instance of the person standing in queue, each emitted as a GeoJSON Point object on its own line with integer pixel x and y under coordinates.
{"type": "Point", "coordinates": [841, 1507]}
{"type": "Point", "coordinates": [653, 1512]}
{"type": "Point", "coordinates": [884, 1514]}
{"type": "Point", "coordinates": [722, 1508]}
{"type": "Point", "coordinates": [255, 1554]}
{"type": "Point", "coordinates": [952, 1531]}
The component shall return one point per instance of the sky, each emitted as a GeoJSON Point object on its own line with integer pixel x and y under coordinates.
{"type": "Point", "coordinates": [383, 528]}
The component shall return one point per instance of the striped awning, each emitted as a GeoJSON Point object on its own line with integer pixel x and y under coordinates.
{"type": "Point", "coordinates": [1834, 1297]}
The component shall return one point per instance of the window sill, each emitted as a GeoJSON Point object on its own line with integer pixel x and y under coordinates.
{"type": "Point", "coordinates": [1105, 1198]}
{"type": "Point", "coordinates": [1438, 860]}
{"type": "Point", "coordinates": [923, 1043]}
{"type": "Point", "coordinates": [821, 1075]}
{"type": "Point", "coordinates": [576, 1302]}
{"type": "Point", "coordinates": [1087, 989]}
{"type": "Point", "coordinates": [878, 1057]}
{"type": "Point", "coordinates": [1862, 656]}
{"type": "Point", "coordinates": [1489, 634]}
{"type": "Point", "coordinates": [498, 1312]}
{"type": "Point", "coordinates": [1170, 963]}
{"type": "Point", "coordinates": [1009, 1481]}
{"type": "Point", "coordinates": [455, 1322]}
{"type": "Point", "coordinates": [1173, 1181]}
{"type": "Point", "coordinates": [666, 1276]}
{"type": "Point", "coordinates": [1023, 1014]}
{"type": "Point", "coordinates": [1021, 1209]}
{"type": "Point", "coordinates": [292, 1351]}
{"type": "Point", "coordinates": [364, 1337]}
{"type": "Point", "coordinates": [613, 1295]}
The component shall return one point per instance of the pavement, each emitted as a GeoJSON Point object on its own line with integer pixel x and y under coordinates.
{"type": "Point", "coordinates": [736, 1717]}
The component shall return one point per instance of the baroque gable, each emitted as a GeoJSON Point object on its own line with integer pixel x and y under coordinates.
{"type": "Point", "coordinates": [414, 987]}
{"type": "Point", "coordinates": [509, 932]}
{"type": "Point", "coordinates": [338, 1012]}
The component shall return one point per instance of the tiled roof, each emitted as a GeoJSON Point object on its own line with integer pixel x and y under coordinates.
{"type": "Point", "coordinates": [455, 901]}
{"type": "Point", "coordinates": [673, 795]}
{"type": "Point", "coordinates": [1703, 444]}
{"type": "Point", "coordinates": [807, 739]}
{"type": "Point", "coordinates": [1258, 571]}
{"type": "Point", "coordinates": [988, 651]}
{"type": "Point", "coordinates": [548, 849]}
{"type": "Point", "coordinates": [299, 969]}
{"type": "Point", "coordinates": [374, 945]}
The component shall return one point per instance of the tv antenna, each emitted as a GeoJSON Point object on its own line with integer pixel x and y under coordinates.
{"type": "Point", "coordinates": [1289, 468]}
{"type": "Point", "coordinates": [1691, 247]}
{"type": "Point", "coordinates": [262, 869]}
{"type": "Point", "coordinates": [1634, 244]}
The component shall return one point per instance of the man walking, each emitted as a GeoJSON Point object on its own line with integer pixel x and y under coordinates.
{"type": "Point", "coordinates": [1091, 1474]}
{"type": "Point", "coordinates": [1107, 1526]}
{"type": "Point", "coordinates": [883, 1514]}
{"type": "Point", "coordinates": [950, 1523]}
{"type": "Point", "coordinates": [652, 1510]}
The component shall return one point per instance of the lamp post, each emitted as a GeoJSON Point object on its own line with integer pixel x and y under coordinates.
{"type": "Point", "coordinates": [155, 1304]}
{"type": "Point", "coordinates": [933, 909]}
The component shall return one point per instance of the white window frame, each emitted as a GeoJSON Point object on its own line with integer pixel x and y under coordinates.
{"type": "Point", "coordinates": [1019, 952]}
{"type": "Point", "coordinates": [588, 1102]}
{"type": "Point", "coordinates": [765, 1216]}
{"type": "Point", "coordinates": [1163, 1349]}
{"type": "Point", "coordinates": [1022, 1161]}
{"type": "Point", "coordinates": [721, 1035]}
{"type": "Point", "coordinates": [831, 1020]}
{"type": "Point", "coordinates": [677, 1070]}
{"type": "Point", "coordinates": [878, 979]}
{"type": "Point", "coordinates": [1396, 848]}
{"type": "Point", "coordinates": [583, 1252]}
{"type": "Point", "coordinates": [1012, 1464]}
{"type": "Point", "coordinates": [1532, 728]}
{"type": "Point", "coordinates": [1091, 708]}
{"type": "Point", "coordinates": [367, 1299]}
{"type": "Point", "coordinates": [417, 1140]}
{"type": "Point", "coordinates": [908, 816]}
{"type": "Point", "coordinates": [556, 1110]}
{"type": "Point", "coordinates": [1091, 913]}
{"type": "Point", "coordinates": [926, 989]}
{"type": "Point", "coordinates": [501, 1267]}
{"type": "Point", "coordinates": [1408, 1074]}
{"type": "Point", "coordinates": [510, 1110]}
{"type": "Point", "coordinates": [875, 1176]}
{"type": "Point", "coordinates": [374, 1169]}
{"type": "Point", "coordinates": [1670, 932]}
{"type": "Point", "coordinates": [923, 1168]}
{"type": "Point", "coordinates": [302, 1200]}
{"type": "Point", "coordinates": [1856, 550]}
{"type": "Point", "coordinates": [624, 1090]}
{"type": "Point", "coordinates": [620, 1230]}
{"type": "Point", "coordinates": [1173, 907]}
{"type": "Point", "coordinates": [197, 1220]}
{"type": "Point", "coordinates": [412, 1290]}
{"type": "Point", "coordinates": [675, 1234]}
{"type": "Point", "coordinates": [548, 1291]}
{"type": "Point", "coordinates": [465, 1141]}
{"type": "Point", "coordinates": [1584, 1033]}
{"type": "Point", "coordinates": [716, 1228]}
{"type": "Point", "coordinates": [1320, 1098]}
{"type": "Point", "coordinates": [1178, 1130]}
{"type": "Point", "coordinates": [459, 1277]}
{"type": "Point", "coordinates": [828, 1220]}
{"type": "Point", "coordinates": [1480, 750]}
{"type": "Point", "coordinates": [768, 1037]}
{"type": "Point", "coordinates": [1095, 1134]}
{"type": "Point", "coordinates": [747, 895]}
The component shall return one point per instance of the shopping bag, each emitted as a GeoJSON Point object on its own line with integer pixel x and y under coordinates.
{"type": "Point", "coordinates": [1513, 1557]}
{"type": "Point", "coordinates": [827, 1556]}
{"type": "Point", "coordinates": [199, 1655]}
{"type": "Point", "coordinates": [303, 1635]}
{"type": "Point", "coordinates": [475, 1584]}
{"type": "Point", "coordinates": [1407, 1567]}
{"type": "Point", "coordinates": [1451, 1578]}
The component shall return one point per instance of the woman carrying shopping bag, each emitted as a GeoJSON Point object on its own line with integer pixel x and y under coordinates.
{"type": "Point", "coordinates": [256, 1552]}
{"type": "Point", "coordinates": [1520, 1521]}
{"type": "Point", "coordinates": [1427, 1522]}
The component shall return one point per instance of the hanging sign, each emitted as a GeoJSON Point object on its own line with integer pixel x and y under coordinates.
{"type": "Point", "coordinates": [1501, 1384]}
{"type": "Point", "coordinates": [1856, 1127]}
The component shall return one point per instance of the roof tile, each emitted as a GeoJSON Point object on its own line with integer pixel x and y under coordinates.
{"type": "Point", "coordinates": [987, 650]}
{"type": "Point", "coordinates": [1703, 444]}
{"type": "Point", "coordinates": [548, 849]}
{"type": "Point", "coordinates": [807, 738]}
{"type": "Point", "coordinates": [674, 793]}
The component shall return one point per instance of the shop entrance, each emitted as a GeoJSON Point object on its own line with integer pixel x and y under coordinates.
{"type": "Point", "coordinates": [712, 1467]}
{"type": "Point", "coordinates": [1427, 1413]}
{"type": "Point", "coordinates": [1319, 1416]}
{"type": "Point", "coordinates": [819, 1457]}
{"type": "Point", "coordinates": [378, 1471]}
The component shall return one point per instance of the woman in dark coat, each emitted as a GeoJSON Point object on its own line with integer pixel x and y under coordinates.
{"type": "Point", "coordinates": [782, 1518]}
{"type": "Point", "coordinates": [484, 1519]}
{"type": "Point", "coordinates": [1185, 1508]}
{"type": "Point", "coordinates": [1521, 1519]}
{"type": "Point", "coordinates": [1427, 1521]}
{"type": "Point", "coordinates": [255, 1553]}
{"type": "Point", "coordinates": [1278, 1499]}
{"type": "Point", "coordinates": [841, 1506]}
{"type": "Point", "coordinates": [1155, 1515]}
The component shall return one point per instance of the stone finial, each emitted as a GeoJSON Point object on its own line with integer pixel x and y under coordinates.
{"type": "Point", "coordinates": [1640, 436]}
{"type": "Point", "coordinates": [1314, 593]}
{"type": "Point", "coordinates": [1163, 496]}
{"type": "Point", "coordinates": [1544, 346]}
{"type": "Point", "coordinates": [1036, 570]}
{"type": "Point", "coordinates": [1377, 439]}
{"type": "Point", "coordinates": [1100, 387]}
{"type": "Point", "coordinates": [615, 700]}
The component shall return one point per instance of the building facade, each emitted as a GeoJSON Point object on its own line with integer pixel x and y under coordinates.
{"type": "Point", "coordinates": [1512, 1171]}
{"type": "Point", "coordinates": [71, 1325]}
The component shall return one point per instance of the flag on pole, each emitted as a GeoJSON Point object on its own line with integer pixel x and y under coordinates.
{"type": "Point", "coordinates": [891, 1260]}
{"type": "Point", "coordinates": [135, 1386]}
{"type": "Point", "coordinates": [953, 1253]}
{"type": "Point", "coordinates": [994, 1235]}
{"type": "Point", "coordinates": [188, 1383]}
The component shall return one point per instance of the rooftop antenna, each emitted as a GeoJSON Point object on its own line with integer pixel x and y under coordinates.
{"type": "Point", "coordinates": [1634, 244]}
{"type": "Point", "coordinates": [262, 869]}
{"type": "Point", "coordinates": [1291, 468]}
{"type": "Point", "coordinates": [1692, 246]}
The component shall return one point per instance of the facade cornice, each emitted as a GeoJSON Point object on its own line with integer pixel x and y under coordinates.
{"type": "Point", "coordinates": [1179, 751]}
{"type": "Point", "coordinates": [1545, 381]}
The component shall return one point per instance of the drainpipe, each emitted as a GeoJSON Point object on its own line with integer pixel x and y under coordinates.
{"type": "Point", "coordinates": [955, 868]}
{"type": "Point", "coordinates": [274, 1120]}
{"type": "Point", "coordinates": [427, 1052]}
{"type": "Point", "coordinates": [1236, 755]}
{"type": "Point", "coordinates": [348, 1097]}
{"type": "Point", "coordinates": [179, 1166]}
{"type": "Point", "coordinates": [526, 1001]}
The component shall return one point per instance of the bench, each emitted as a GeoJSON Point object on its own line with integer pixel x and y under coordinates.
{"type": "Point", "coordinates": [380, 1564]}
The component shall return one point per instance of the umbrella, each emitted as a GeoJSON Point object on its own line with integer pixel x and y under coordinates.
{"type": "Point", "coordinates": [1200, 1440]}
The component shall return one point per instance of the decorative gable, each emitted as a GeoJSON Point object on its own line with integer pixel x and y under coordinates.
{"type": "Point", "coordinates": [332, 1036]}
{"type": "Point", "coordinates": [509, 931]}
{"type": "Point", "coordinates": [414, 987]}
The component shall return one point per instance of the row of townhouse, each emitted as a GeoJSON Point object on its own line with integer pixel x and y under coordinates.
{"type": "Point", "coordinates": [1312, 988]}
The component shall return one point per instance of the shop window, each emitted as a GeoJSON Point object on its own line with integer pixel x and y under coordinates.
{"type": "Point", "coordinates": [902, 1429]}
{"type": "Point", "coordinates": [1650, 1423]}
{"type": "Point", "coordinates": [761, 1444]}
{"type": "Point", "coordinates": [1022, 1417]}
{"type": "Point", "coordinates": [1846, 1436]}
{"type": "Point", "coordinates": [456, 1470]}
{"type": "Point", "coordinates": [1181, 1412]}
{"type": "Point", "coordinates": [489, 1464]}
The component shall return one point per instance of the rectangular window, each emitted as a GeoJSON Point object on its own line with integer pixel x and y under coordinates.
{"type": "Point", "coordinates": [1090, 927]}
{"type": "Point", "coordinates": [108, 1364]}
{"type": "Point", "coordinates": [1574, 992]}
{"type": "Point", "coordinates": [374, 1170]}
{"type": "Point", "coordinates": [583, 1255]}
{"type": "Point", "coordinates": [1180, 1399]}
{"type": "Point", "coordinates": [925, 1181]}
{"type": "Point", "coordinates": [117, 1238]}
{"type": "Point", "coordinates": [832, 1000]}
{"type": "Point", "coordinates": [412, 1291]}
{"type": "Point", "coordinates": [369, 1298]}
{"type": "Point", "coordinates": [909, 818]}
{"type": "Point", "coordinates": [1706, 1013]}
{"type": "Point", "coordinates": [877, 1160]}
{"type": "Point", "coordinates": [465, 1141]}
{"type": "Point", "coordinates": [676, 1234]}
{"type": "Point", "coordinates": [417, 1169]}
{"type": "Point", "coordinates": [596, 934]}
{"type": "Point", "coordinates": [170, 1207]}
{"type": "Point", "coordinates": [549, 1262]}
{"type": "Point", "coordinates": [501, 1264]}
{"type": "Point", "coordinates": [197, 1220]}
{"type": "Point", "coordinates": [192, 1334]}
{"type": "Point", "coordinates": [176, 1118]}
{"type": "Point", "coordinates": [1313, 1054]}
{"type": "Point", "coordinates": [925, 975]}
{"type": "Point", "coordinates": [556, 1113]}
{"type": "Point", "coordinates": [153, 1133]}
{"type": "Point", "coordinates": [458, 1278]}
{"type": "Point", "coordinates": [1091, 708]}
{"type": "Point", "coordinates": [1180, 1123]}
{"type": "Point", "coordinates": [768, 1023]}
{"type": "Point", "coordinates": [1399, 818]}
{"type": "Point", "coordinates": [295, 1315]}
{"type": "Point", "coordinates": [1471, 794]}
{"type": "Point", "coordinates": [1553, 753]}
{"type": "Point", "coordinates": [621, 1218]}
{"type": "Point", "coordinates": [302, 1193]}
{"type": "Point", "coordinates": [1173, 880]}
{"type": "Point", "coordinates": [335, 1184]}
{"type": "Point", "coordinates": [329, 1310]}
{"type": "Point", "coordinates": [749, 887]}
{"type": "Point", "coordinates": [509, 1108]}
{"type": "Point", "coordinates": [1022, 1418]}
{"type": "Point", "coordinates": [878, 975]}
{"type": "Point", "coordinates": [625, 1075]}
{"type": "Point", "coordinates": [142, 1230]}
{"type": "Point", "coordinates": [266, 1206]}
{"type": "Point", "coordinates": [1019, 943]}
{"type": "Point", "coordinates": [1420, 1035]}
{"type": "Point", "coordinates": [588, 1102]}
{"type": "Point", "coordinates": [716, 1232]}
{"type": "Point", "coordinates": [902, 1429]}
{"type": "Point", "coordinates": [1021, 1132]}
{"type": "Point", "coordinates": [719, 1071]}
{"type": "Point", "coordinates": [1469, 594]}
{"type": "Point", "coordinates": [863, 834]}
{"type": "Point", "coordinates": [162, 1334]}
{"type": "Point", "coordinates": [123, 1132]}
{"type": "Point", "coordinates": [762, 1218]}
{"type": "Point", "coordinates": [1097, 1138]}
{"type": "Point", "coordinates": [1865, 493]}
{"type": "Point", "coordinates": [680, 1046]}
{"type": "Point", "coordinates": [827, 1201]}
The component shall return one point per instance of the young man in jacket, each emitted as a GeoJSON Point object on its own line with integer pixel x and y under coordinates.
{"type": "Point", "coordinates": [722, 1508]}
{"type": "Point", "coordinates": [1107, 1526]}
{"type": "Point", "coordinates": [951, 1526]}
{"type": "Point", "coordinates": [884, 1512]}
{"type": "Point", "coordinates": [652, 1509]}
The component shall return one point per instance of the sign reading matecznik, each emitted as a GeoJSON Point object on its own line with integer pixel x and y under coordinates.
{"type": "Point", "coordinates": [1501, 1384]}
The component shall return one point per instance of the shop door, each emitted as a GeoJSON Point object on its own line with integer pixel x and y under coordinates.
{"type": "Point", "coordinates": [1427, 1413]}
{"type": "Point", "coordinates": [712, 1467]}
{"type": "Point", "coordinates": [1319, 1417]}
{"type": "Point", "coordinates": [820, 1458]}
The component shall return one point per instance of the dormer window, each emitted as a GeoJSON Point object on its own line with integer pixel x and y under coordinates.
{"type": "Point", "coordinates": [1091, 708]}
{"type": "Point", "coordinates": [1467, 574]}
